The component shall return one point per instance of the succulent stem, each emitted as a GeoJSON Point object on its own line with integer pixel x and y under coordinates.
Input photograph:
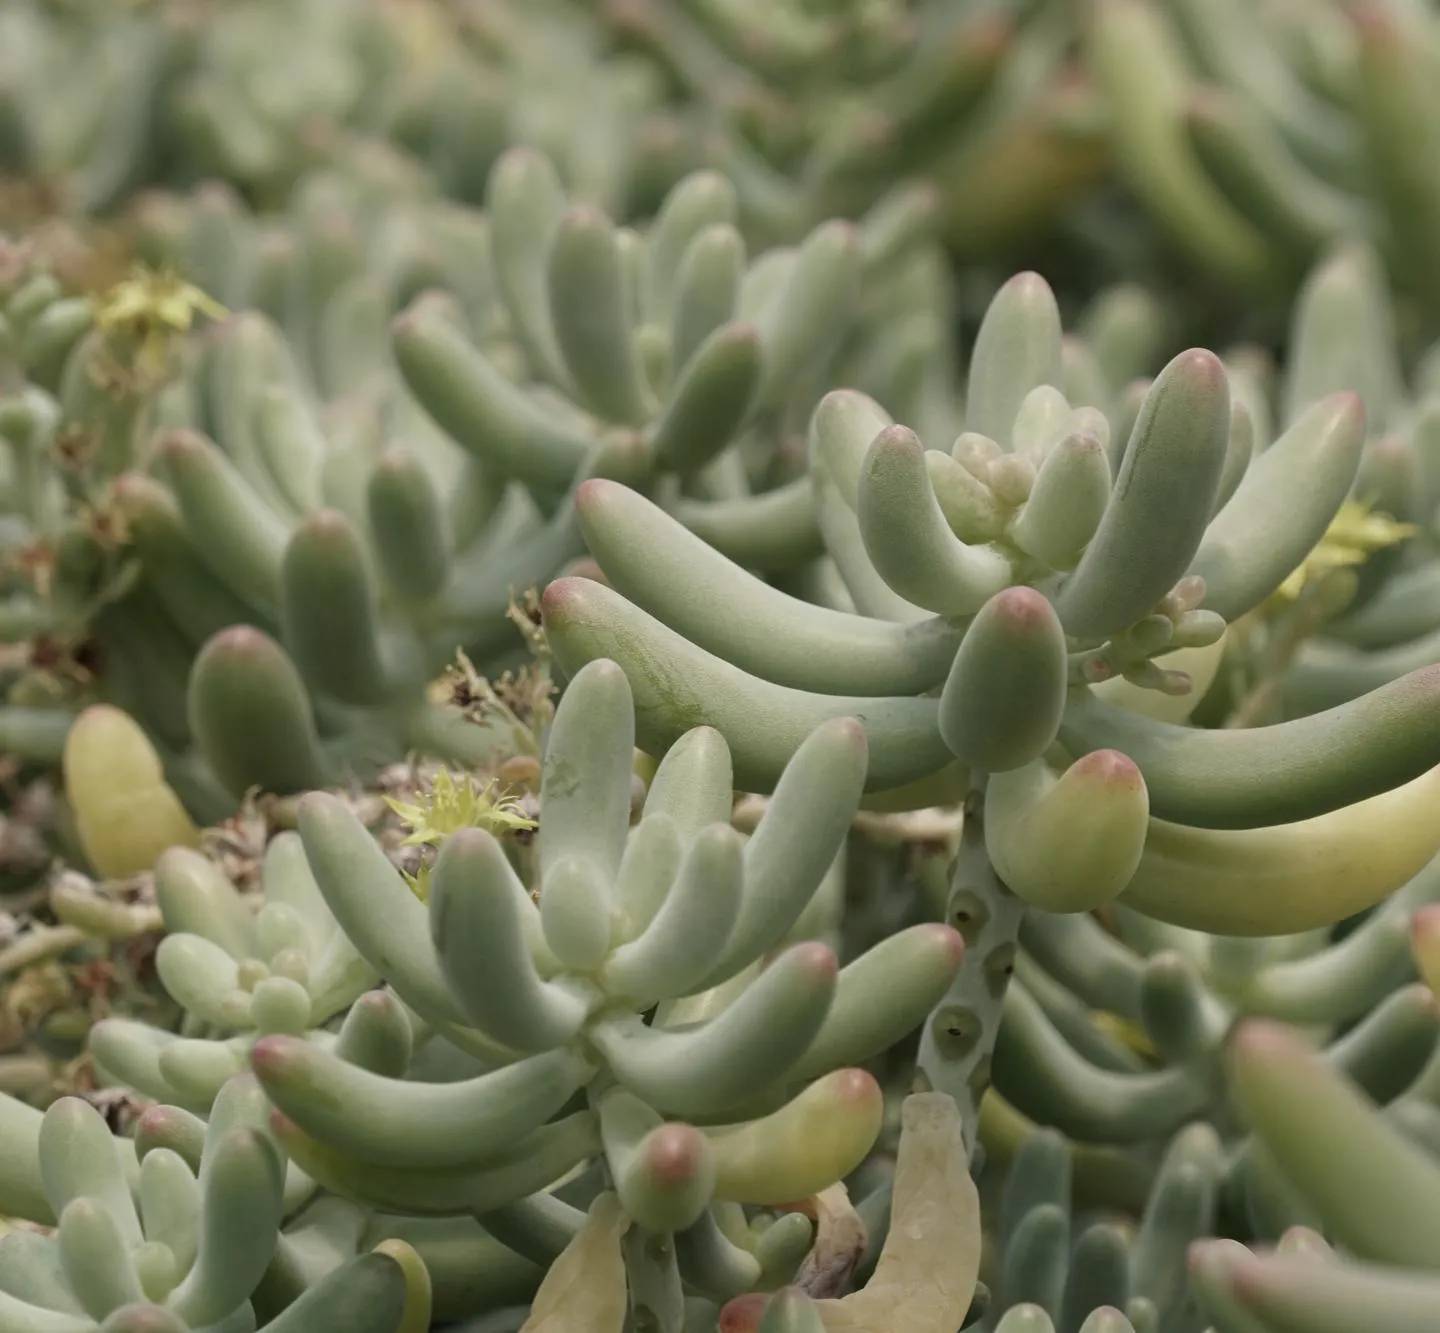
{"type": "Point", "coordinates": [657, 1300]}
{"type": "Point", "coordinates": [959, 1038]}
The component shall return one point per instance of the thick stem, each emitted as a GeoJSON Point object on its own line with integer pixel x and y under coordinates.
{"type": "Point", "coordinates": [657, 1299]}
{"type": "Point", "coordinates": [959, 1038]}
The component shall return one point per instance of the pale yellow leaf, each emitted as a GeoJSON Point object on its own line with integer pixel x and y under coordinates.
{"type": "Point", "coordinates": [585, 1290]}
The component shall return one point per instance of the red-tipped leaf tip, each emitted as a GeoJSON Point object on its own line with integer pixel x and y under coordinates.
{"type": "Point", "coordinates": [325, 524]}
{"type": "Point", "coordinates": [1165, 966]}
{"type": "Point", "coordinates": [893, 440]}
{"type": "Point", "coordinates": [1198, 366]}
{"type": "Point", "coordinates": [133, 491]}
{"type": "Point", "coordinates": [396, 459]}
{"type": "Point", "coordinates": [593, 493]}
{"type": "Point", "coordinates": [584, 217]}
{"type": "Point", "coordinates": [1424, 999]}
{"type": "Point", "coordinates": [1109, 768]}
{"type": "Point", "coordinates": [180, 445]}
{"type": "Point", "coordinates": [1084, 442]}
{"type": "Point", "coordinates": [563, 596]}
{"type": "Point", "coordinates": [815, 958]}
{"type": "Point", "coordinates": [241, 641]}
{"type": "Point", "coordinates": [1264, 1039]}
{"type": "Point", "coordinates": [743, 1314]}
{"type": "Point", "coordinates": [1348, 402]}
{"type": "Point", "coordinates": [156, 1122]}
{"type": "Point", "coordinates": [845, 233]}
{"type": "Point", "coordinates": [519, 158]}
{"type": "Point", "coordinates": [273, 1055]}
{"type": "Point", "coordinates": [855, 1088]}
{"type": "Point", "coordinates": [377, 1001]}
{"type": "Point", "coordinates": [1028, 285]}
{"type": "Point", "coordinates": [1373, 23]}
{"type": "Point", "coordinates": [739, 333]}
{"type": "Point", "coordinates": [1425, 924]}
{"type": "Point", "coordinates": [946, 940]}
{"type": "Point", "coordinates": [673, 1152]}
{"type": "Point", "coordinates": [852, 730]}
{"type": "Point", "coordinates": [1020, 609]}
{"type": "Point", "coordinates": [1197, 1255]}
{"type": "Point", "coordinates": [1247, 1277]}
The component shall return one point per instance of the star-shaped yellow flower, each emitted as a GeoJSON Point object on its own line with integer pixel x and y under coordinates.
{"type": "Point", "coordinates": [453, 804]}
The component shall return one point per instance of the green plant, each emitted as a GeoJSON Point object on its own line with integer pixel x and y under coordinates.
{"type": "Point", "coordinates": [1371, 1189]}
{"type": "Point", "coordinates": [664, 978]}
{"type": "Point", "coordinates": [990, 587]}
{"type": "Point", "coordinates": [146, 1239]}
{"type": "Point", "coordinates": [1258, 136]}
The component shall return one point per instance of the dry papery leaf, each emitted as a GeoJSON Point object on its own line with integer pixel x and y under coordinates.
{"type": "Point", "coordinates": [839, 1244]}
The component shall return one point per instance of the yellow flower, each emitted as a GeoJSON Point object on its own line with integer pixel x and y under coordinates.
{"type": "Point", "coordinates": [153, 306]}
{"type": "Point", "coordinates": [451, 805]}
{"type": "Point", "coordinates": [1354, 535]}
{"type": "Point", "coordinates": [152, 300]}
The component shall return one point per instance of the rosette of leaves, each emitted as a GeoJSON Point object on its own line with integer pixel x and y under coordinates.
{"type": "Point", "coordinates": [1025, 584]}
{"type": "Point", "coordinates": [299, 554]}
{"type": "Point", "coordinates": [658, 1010]}
{"type": "Point", "coordinates": [140, 1236]}
{"type": "Point", "coordinates": [240, 966]}
{"type": "Point", "coordinates": [672, 356]}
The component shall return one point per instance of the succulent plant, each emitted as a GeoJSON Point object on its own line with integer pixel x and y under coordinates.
{"type": "Point", "coordinates": [660, 1015]}
{"type": "Point", "coordinates": [1087, 717]}
{"type": "Point", "coordinates": [818, 112]}
{"type": "Point", "coordinates": [239, 969]}
{"type": "Point", "coordinates": [924, 1275]}
{"type": "Point", "coordinates": [678, 913]}
{"type": "Point", "coordinates": [1363, 1184]}
{"type": "Point", "coordinates": [82, 376]}
{"type": "Point", "coordinates": [294, 550]}
{"type": "Point", "coordinates": [647, 355]}
{"type": "Point", "coordinates": [1256, 137]}
{"type": "Point", "coordinates": [1386, 627]}
{"type": "Point", "coordinates": [145, 1240]}
{"type": "Point", "coordinates": [989, 588]}
{"type": "Point", "coordinates": [101, 106]}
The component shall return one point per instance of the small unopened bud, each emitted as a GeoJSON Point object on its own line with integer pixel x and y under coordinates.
{"type": "Point", "coordinates": [1011, 478]}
